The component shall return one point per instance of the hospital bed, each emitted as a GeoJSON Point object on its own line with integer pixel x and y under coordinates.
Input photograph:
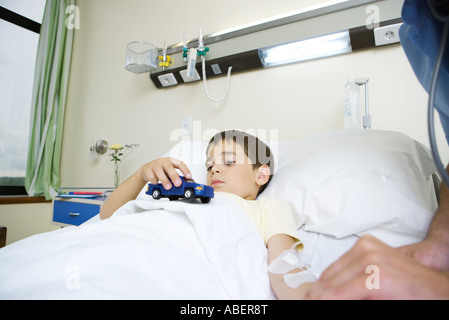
{"type": "Point", "coordinates": [343, 183]}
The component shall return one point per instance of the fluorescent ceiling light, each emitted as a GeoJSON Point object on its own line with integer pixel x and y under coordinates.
{"type": "Point", "coordinates": [303, 50]}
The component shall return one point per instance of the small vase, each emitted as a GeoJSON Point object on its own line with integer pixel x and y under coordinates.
{"type": "Point", "coordinates": [116, 176]}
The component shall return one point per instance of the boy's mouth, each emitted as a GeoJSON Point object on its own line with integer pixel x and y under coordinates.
{"type": "Point", "coordinates": [216, 183]}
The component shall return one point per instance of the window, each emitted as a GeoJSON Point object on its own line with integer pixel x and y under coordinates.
{"type": "Point", "coordinates": [19, 35]}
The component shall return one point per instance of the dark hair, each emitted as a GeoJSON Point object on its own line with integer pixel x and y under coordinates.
{"type": "Point", "coordinates": [255, 149]}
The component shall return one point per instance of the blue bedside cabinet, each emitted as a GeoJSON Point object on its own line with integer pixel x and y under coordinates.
{"type": "Point", "coordinates": [73, 211]}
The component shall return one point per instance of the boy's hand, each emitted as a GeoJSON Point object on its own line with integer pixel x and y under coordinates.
{"type": "Point", "coordinates": [164, 170]}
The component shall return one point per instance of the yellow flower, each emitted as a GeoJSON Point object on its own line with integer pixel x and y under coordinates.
{"type": "Point", "coordinates": [116, 147]}
{"type": "Point", "coordinates": [119, 153]}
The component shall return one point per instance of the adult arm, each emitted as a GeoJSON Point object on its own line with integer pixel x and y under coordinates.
{"type": "Point", "coordinates": [433, 251]}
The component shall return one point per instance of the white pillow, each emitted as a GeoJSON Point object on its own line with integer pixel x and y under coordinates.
{"type": "Point", "coordinates": [347, 182]}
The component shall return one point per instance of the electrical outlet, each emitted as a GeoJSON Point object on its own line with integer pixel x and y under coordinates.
{"type": "Point", "coordinates": [167, 80]}
{"type": "Point", "coordinates": [216, 68]}
{"type": "Point", "coordinates": [186, 123]}
{"type": "Point", "coordinates": [387, 34]}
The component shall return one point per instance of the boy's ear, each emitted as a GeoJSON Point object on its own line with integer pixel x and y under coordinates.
{"type": "Point", "coordinates": [263, 175]}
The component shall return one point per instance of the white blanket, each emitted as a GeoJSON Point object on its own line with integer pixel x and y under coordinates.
{"type": "Point", "coordinates": [147, 250]}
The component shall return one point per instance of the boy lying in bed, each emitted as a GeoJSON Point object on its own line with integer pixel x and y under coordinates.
{"type": "Point", "coordinates": [236, 168]}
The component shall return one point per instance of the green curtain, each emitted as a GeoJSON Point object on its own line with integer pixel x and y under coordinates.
{"type": "Point", "coordinates": [49, 99]}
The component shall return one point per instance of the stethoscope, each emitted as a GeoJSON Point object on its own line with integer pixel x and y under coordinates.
{"type": "Point", "coordinates": [440, 9]}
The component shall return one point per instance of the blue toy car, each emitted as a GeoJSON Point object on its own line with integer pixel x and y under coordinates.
{"type": "Point", "coordinates": [189, 190]}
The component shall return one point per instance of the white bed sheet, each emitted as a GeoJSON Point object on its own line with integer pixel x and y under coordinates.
{"type": "Point", "coordinates": [147, 250]}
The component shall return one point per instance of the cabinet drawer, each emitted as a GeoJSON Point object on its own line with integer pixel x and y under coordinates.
{"type": "Point", "coordinates": [74, 213]}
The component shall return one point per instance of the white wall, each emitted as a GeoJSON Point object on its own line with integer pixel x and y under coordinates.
{"type": "Point", "coordinates": [107, 102]}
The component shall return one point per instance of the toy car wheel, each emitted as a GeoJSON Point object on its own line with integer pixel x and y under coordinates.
{"type": "Point", "coordinates": [205, 200]}
{"type": "Point", "coordinates": [189, 194]}
{"type": "Point", "coordinates": [157, 194]}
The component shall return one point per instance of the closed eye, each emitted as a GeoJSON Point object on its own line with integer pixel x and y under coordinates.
{"type": "Point", "coordinates": [208, 166]}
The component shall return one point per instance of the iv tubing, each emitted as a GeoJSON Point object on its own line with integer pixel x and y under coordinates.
{"type": "Point", "coordinates": [203, 60]}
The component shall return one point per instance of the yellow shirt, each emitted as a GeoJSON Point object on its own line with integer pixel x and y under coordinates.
{"type": "Point", "coordinates": [270, 216]}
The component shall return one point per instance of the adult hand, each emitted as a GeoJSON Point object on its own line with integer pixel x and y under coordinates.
{"type": "Point", "coordinates": [374, 270]}
{"type": "Point", "coordinates": [433, 254]}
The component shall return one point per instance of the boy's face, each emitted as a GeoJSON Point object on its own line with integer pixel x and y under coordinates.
{"type": "Point", "coordinates": [230, 170]}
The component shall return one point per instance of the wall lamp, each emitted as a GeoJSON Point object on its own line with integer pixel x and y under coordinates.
{"type": "Point", "coordinates": [303, 50]}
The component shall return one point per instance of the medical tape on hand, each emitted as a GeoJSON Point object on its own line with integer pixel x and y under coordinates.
{"type": "Point", "coordinates": [294, 280]}
{"type": "Point", "coordinates": [287, 261]}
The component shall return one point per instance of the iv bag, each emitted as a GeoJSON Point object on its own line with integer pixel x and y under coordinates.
{"type": "Point", "coordinates": [352, 114]}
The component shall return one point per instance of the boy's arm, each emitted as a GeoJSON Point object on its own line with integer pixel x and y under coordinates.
{"type": "Point", "coordinates": [162, 169]}
{"type": "Point", "coordinates": [276, 245]}
{"type": "Point", "coordinates": [126, 191]}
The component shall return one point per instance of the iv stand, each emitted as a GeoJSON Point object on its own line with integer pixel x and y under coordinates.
{"type": "Point", "coordinates": [367, 121]}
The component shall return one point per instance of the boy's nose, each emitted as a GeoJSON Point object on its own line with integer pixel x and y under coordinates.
{"type": "Point", "coordinates": [215, 169]}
